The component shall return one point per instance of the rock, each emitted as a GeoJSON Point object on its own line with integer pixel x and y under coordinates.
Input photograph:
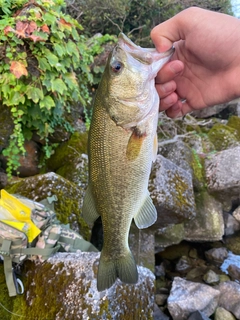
{"type": "Point", "coordinates": [222, 178]}
{"type": "Point", "coordinates": [223, 137]}
{"type": "Point", "coordinates": [158, 314]}
{"type": "Point", "coordinates": [232, 259]}
{"type": "Point", "coordinates": [6, 129]}
{"type": "Point", "coordinates": [67, 151]}
{"type": "Point", "coordinates": [234, 272]}
{"type": "Point", "coordinates": [29, 162]}
{"type": "Point", "coordinates": [208, 224]}
{"type": "Point", "coordinates": [233, 243]}
{"type": "Point", "coordinates": [234, 122]}
{"type": "Point", "coordinates": [69, 282]}
{"type": "Point", "coordinates": [208, 112]}
{"type": "Point", "coordinates": [186, 158]}
{"type": "Point", "coordinates": [3, 180]}
{"type": "Point", "coordinates": [236, 214]}
{"type": "Point", "coordinates": [211, 277]}
{"type": "Point", "coordinates": [168, 236]}
{"type": "Point", "coordinates": [223, 314]}
{"type": "Point", "coordinates": [141, 243]}
{"type": "Point", "coordinates": [231, 224]}
{"type": "Point", "coordinates": [198, 315]}
{"type": "Point", "coordinates": [69, 197]}
{"type": "Point", "coordinates": [216, 255]}
{"type": "Point", "coordinates": [183, 265]}
{"type": "Point", "coordinates": [161, 298]}
{"type": "Point", "coordinates": [231, 290]}
{"type": "Point", "coordinates": [182, 302]}
{"type": "Point", "coordinates": [172, 193]}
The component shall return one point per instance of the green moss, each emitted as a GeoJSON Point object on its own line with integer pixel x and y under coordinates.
{"type": "Point", "coordinates": [198, 171]}
{"type": "Point", "coordinates": [234, 122]}
{"type": "Point", "coordinates": [67, 151]}
{"type": "Point", "coordinates": [180, 191]}
{"type": "Point", "coordinates": [222, 136]}
{"type": "Point", "coordinates": [5, 300]}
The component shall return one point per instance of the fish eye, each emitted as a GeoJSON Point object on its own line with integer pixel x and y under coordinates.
{"type": "Point", "coordinates": [116, 66]}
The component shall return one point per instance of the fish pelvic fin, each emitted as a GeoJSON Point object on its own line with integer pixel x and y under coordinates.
{"type": "Point", "coordinates": [89, 211]}
{"type": "Point", "coordinates": [147, 214]}
{"type": "Point", "coordinates": [108, 271]}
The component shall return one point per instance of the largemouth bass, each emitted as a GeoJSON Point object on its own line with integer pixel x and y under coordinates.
{"type": "Point", "coordinates": [122, 147]}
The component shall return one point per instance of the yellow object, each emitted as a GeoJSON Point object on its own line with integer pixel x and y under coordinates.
{"type": "Point", "coordinates": [21, 215]}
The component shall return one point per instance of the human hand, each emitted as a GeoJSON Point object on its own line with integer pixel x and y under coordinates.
{"type": "Point", "coordinates": [205, 68]}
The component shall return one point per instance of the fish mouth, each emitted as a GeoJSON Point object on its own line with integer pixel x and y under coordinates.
{"type": "Point", "coordinates": [145, 55]}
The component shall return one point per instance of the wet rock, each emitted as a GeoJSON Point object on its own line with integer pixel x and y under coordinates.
{"type": "Point", "coordinates": [223, 314]}
{"type": "Point", "coordinates": [236, 214]}
{"type": "Point", "coordinates": [231, 224]}
{"type": "Point", "coordinates": [72, 279]}
{"type": "Point", "coordinates": [69, 197]}
{"type": "Point", "coordinates": [182, 302]}
{"type": "Point", "coordinates": [231, 290]}
{"type": "Point", "coordinates": [172, 193]}
{"type": "Point", "coordinates": [222, 178]}
{"type": "Point", "coordinates": [216, 255]}
{"type": "Point", "coordinates": [198, 315]}
{"type": "Point", "coordinates": [211, 277]}
{"type": "Point", "coordinates": [208, 224]}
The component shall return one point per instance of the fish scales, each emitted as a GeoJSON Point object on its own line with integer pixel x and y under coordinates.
{"type": "Point", "coordinates": [121, 151]}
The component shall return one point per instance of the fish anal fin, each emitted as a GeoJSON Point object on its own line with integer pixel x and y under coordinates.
{"type": "Point", "coordinates": [109, 270]}
{"type": "Point", "coordinates": [147, 214]}
{"type": "Point", "coordinates": [89, 211]}
{"type": "Point", "coordinates": [135, 144]}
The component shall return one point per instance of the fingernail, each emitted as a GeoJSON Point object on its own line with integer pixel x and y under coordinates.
{"type": "Point", "coordinates": [166, 87]}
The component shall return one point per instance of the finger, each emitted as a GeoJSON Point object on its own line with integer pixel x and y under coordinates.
{"type": "Point", "coordinates": [166, 88]}
{"type": "Point", "coordinates": [168, 102]}
{"type": "Point", "coordinates": [170, 71]}
{"type": "Point", "coordinates": [166, 33]}
{"type": "Point", "coordinates": [179, 109]}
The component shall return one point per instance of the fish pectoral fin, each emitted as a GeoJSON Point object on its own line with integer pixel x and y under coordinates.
{"type": "Point", "coordinates": [147, 214]}
{"type": "Point", "coordinates": [109, 270]}
{"type": "Point", "coordinates": [155, 147]}
{"type": "Point", "coordinates": [89, 211]}
{"type": "Point", "coordinates": [135, 144]}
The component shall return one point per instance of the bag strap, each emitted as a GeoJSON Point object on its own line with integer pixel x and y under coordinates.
{"type": "Point", "coordinates": [8, 270]}
{"type": "Point", "coordinates": [36, 251]}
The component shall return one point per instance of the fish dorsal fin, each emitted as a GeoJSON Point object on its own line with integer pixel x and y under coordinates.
{"type": "Point", "coordinates": [135, 144]}
{"type": "Point", "coordinates": [89, 211]}
{"type": "Point", "coordinates": [147, 214]}
{"type": "Point", "coordinates": [155, 147]}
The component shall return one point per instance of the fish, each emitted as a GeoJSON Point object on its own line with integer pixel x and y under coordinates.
{"type": "Point", "coordinates": [122, 146]}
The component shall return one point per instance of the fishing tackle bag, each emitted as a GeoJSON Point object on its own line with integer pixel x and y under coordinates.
{"type": "Point", "coordinates": [17, 245]}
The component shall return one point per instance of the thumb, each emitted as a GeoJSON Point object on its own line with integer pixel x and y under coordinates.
{"type": "Point", "coordinates": [166, 33]}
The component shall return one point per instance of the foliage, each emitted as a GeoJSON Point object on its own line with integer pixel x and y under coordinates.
{"type": "Point", "coordinates": [44, 68]}
{"type": "Point", "coordinates": [135, 18]}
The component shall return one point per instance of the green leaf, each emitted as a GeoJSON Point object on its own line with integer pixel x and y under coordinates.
{"type": "Point", "coordinates": [43, 64]}
{"type": "Point", "coordinates": [35, 94]}
{"type": "Point", "coordinates": [52, 59]}
{"type": "Point", "coordinates": [15, 98]}
{"type": "Point", "coordinates": [49, 18]}
{"type": "Point", "coordinates": [58, 85]}
{"type": "Point", "coordinates": [59, 50]}
{"type": "Point", "coordinates": [72, 48]}
{"type": "Point", "coordinates": [47, 102]}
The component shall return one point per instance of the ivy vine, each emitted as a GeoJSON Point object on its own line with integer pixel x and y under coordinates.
{"type": "Point", "coordinates": [44, 68]}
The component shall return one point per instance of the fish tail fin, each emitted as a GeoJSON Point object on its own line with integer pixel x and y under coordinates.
{"type": "Point", "coordinates": [108, 271]}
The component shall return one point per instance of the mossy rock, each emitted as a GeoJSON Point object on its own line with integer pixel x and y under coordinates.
{"type": "Point", "coordinates": [6, 305]}
{"type": "Point", "coordinates": [64, 287]}
{"type": "Point", "coordinates": [234, 122]}
{"type": "Point", "coordinates": [66, 152]}
{"type": "Point", "coordinates": [69, 202]}
{"type": "Point", "coordinates": [223, 136]}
